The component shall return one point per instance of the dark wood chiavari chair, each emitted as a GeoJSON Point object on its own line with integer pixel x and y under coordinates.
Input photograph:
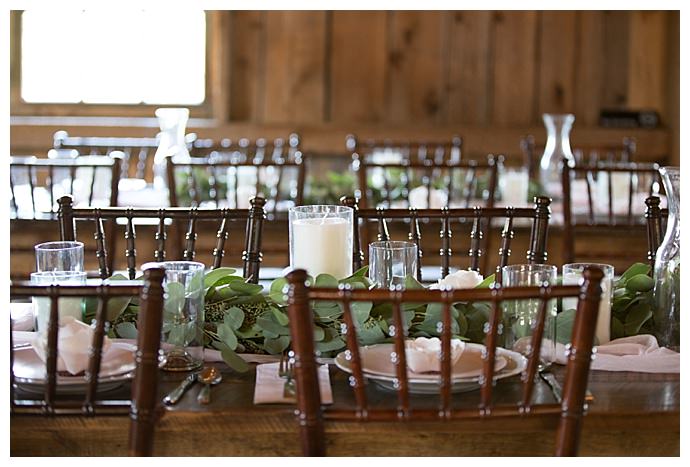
{"type": "Point", "coordinates": [638, 178]}
{"type": "Point", "coordinates": [138, 153]}
{"type": "Point", "coordinates": [55, 177]}
{"type": "Point", "coordinates": [410, 151]}
{"type": "Point", "coordinates": [143, 402]}
{"type": "Point", "coordinates": [243, 148]}
{"type": "Point", "coordinates": [569, 413]}
{"type": "Point", "coordinates": [207, 179]}
{"type": "Point", "coordinates": [251, 256]}
{"type": "Point", "coordinates": [584, 154]}
{"type": "Point", "coordinates": [655, 217]}
{"type": "Point", "coordinates": [481, 219]}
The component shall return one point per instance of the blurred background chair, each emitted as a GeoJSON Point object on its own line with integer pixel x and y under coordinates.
{"type": "Point", "coordinates": [141, 402]}
{"type": "Point", "coordinates": [606, 198]}
{"type": "Point", "coordinates": [478, 224]}
{"type": "Point", "coordinates": [251, 222]}
{"type": "Point", "coordinates": [363, 404]}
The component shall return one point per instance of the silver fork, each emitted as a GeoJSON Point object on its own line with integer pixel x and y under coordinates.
{"type": "Point", "coordinates": [289, 386]}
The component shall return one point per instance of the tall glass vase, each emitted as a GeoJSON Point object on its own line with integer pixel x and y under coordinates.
{"type": "Point", "coordinates": [557, 148]}
{"type": "Point", "coordinates": [667, 268]}
{"type": "Point", "coordinates": [173, 123]}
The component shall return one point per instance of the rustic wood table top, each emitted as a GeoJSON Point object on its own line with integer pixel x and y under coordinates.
{"type": "Point", "coordinates": [632, 414]}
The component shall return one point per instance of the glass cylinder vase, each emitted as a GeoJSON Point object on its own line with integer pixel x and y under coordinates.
{"type": "Point", "coordinates": [557, 149]}
{"type": "Point", "coordinates": [666, 318]}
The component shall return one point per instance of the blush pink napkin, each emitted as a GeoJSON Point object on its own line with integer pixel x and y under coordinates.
{"type": "Point", "coordinates": [635, 353]}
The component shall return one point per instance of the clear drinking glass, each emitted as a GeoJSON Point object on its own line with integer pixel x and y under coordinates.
{"type": "Point", "coordinates": [183, 314]}
{"type": "Point", "coordinates": [59, 256]}
{"type": "Point", "coordinates": [321, 240]}
{"type": "Point", "coordinates": [520, 315]}
{"type": "Point", "coordinates": [390, 262]}
{"type": "Point", "coordinates": [73, 307]}
{"type": "Point", "coordinates": [572, 275]}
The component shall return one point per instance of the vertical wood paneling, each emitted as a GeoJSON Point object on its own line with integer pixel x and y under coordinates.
{"type": "Point", "coordinates": [416, 64]}
{"type": "Point", "coordinates": [468, 71]}
{"type": "Point", "coordinates": [295, 66]}
{"type": "Point", "coordinates": [556, 62]}
{"type": "Point", "coordinates": [647, 55]}
{"type": "Point", "coordinates": [589, 67]}
{"type": "Point", "coordinates": [358, 66]}
{"type": "Point", "coordinates": [616, 66]}
{"type": "Point", "coordinates": [246, 36]}
{"type": "Point", "coordinates": [514, 67]}
{"type": "Point", "coordinates": [671, 118]}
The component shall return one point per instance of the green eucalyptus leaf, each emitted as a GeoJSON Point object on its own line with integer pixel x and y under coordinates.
{"type": "Point", "coordinates": [126, 330]}
{"type": "Point", "coordinates": [411, 283]}
{"type": "Point", "coordinates": [361, 310]}
{"type": "Point", "coordinates": [634, 270]}
{"type": "Point", "coordinates": [245, 288]}
{"type": "Point", "coordinates": [636, 317]}
{"type": "Point", "coordinates": [280, 317]}
{"type": "Point", "coordinates": [233, 360]}
{"type": "Point", "coordinates": [326, 280]}
{"type": "Point", "coordinates": [370, 333]}
{"type": "Point", "coordinates": [276, 345]}
{"type": "Point", "coordinates": [486, 283]}
{"type": "Point", "coordinates": [617, 328]}
{"type": "Point", "coordinates": [267, 323]}
{"type": "Point", "coordinates": [174, 300]}
{"type": "Point", "coordinates": [227, 335]}
{"type": "Point", "coordinates": [215, 275]}
{"type": "Point", "coordinates": [319, 334]}
{"type": "Point", "coordinates": [477, 315]}
{"type": "Point", "coordinates": [564, 326]}
{"type": "Point", "coordinates": [177, 335]}
{"type": "Point", "coordinates": [639, 283]}
{"type": "Point", "coordinates": [234, 317]}
{"type": "Point", "coordinates": [361, 272]}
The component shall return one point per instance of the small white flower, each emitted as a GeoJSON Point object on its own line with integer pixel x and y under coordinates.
{"type": "Point", "coordinates": [460, 280]}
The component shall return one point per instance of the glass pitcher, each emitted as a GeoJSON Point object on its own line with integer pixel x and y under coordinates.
{"type": "Point", "coordinates": [666, 319]}
{"type": "Point", "coordinates": [557, 148]}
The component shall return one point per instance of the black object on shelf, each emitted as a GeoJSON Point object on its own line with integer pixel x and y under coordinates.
{"type": "Point", "coordinates": [629, 118]}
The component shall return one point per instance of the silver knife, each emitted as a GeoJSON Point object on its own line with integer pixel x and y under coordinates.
{"type": "Point", "coordinates": [174, 396]}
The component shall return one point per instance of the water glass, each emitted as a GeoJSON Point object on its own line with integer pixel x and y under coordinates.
{"type": "Point", "coordinates": [572, 275]}
{"type": "Point", "coordinates": [59, 256]}
{"type": "Point", "coordinates": [390, 262]}
{"type": "Point", "coordinates": [321, 240]}
{"type": "Point", "coordinates": [183, 314]}
{"type": "Point", "coordinates": [520, 316]}
{"type": "Point", "coordinates": [73, 307]}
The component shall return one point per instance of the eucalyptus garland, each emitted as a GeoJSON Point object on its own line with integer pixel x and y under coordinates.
{"type": "Point", "coordinates": [241, 317]}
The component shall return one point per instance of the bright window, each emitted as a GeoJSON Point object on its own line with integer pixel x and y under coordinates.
{"type": "Point", "coordinates": [113, 56]}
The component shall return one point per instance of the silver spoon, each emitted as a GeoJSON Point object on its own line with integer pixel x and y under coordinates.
{"type": "Point", "coordinates": [208, 376]}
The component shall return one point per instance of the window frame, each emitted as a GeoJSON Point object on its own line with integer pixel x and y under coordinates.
{"type": "Point", "coordinates": [206, 109]}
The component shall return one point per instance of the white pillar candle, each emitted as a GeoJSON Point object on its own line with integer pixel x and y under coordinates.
{"type": "Point", "coordinates": [514, 187]}
{"type": "Point", "coordinates": [603, 328]}
{"type": "Point", "coordinates": [322, 246]}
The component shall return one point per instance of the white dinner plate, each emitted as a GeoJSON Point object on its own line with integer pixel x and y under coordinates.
{"type": "Point", "coordinates": [117, 366]}
{"type": "Point", "coordinates": [377, 366]}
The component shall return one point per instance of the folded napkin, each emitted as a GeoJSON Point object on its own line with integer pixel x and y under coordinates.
{"type": "Point", "coordinates": [424, 354]}
{"type": "Point", "coordinates": [22, 316]}
{"type": "Point", "coordinates": [269, 386]}
{"type": "Point", "coordinates": [635, 353]}
{"type": "Point", "coordinates": [74, 340]}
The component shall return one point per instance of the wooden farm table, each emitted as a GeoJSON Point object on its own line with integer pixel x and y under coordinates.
{"type": "Point", "coordinates": [633, 414]}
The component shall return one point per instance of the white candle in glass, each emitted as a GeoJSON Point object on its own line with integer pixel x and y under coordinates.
{"type": "Point", "coordinates": [572, 275]}
{"type": "Point", "coordinates": [66, 306]}
{"type": "Point", "coordinates": [514, 185]}
{"type": "Point", "coordinates": [321, 240]}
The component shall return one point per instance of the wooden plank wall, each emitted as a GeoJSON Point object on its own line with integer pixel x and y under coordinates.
{"type": "Point", "coordinates": [436, 67]}
{"type": "Point", "coordinates": [486, 75]}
